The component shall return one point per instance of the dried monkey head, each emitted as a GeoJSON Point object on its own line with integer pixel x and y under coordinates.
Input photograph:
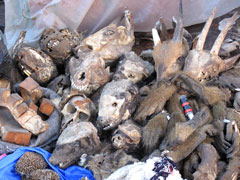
{"type": "Point", "coordinates": [117, 102]}
{"type": "Point", "coordinates": [88, 73]}
{"type": "Point", "coordinates": [111, 41]}
{"type": "Point", "coordinates": [133, 68]}
{"type": "Point", "coordinates": [59, 43]}
{"type": "Point", "coordinates": [36, 64]}
{"type": "Point", "coordinates": [127, 137]}
{"type": "Point", "coordinates": [203, 65]}
{"type": "Point", "coordinates": [78, 108]}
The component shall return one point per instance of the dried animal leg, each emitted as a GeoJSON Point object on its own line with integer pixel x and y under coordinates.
{"type": "Point", "coordinates": [182, 130]}
{"type": "Point", "coordinates": [181, 151]}
{"type": "Point", "coordinates": [236, 103]}
{"type": "Point", "coordinates": [154, 102]}
{"type": "Point", "coordinates": [208, 166]}
{"type": "Point", "coordinates": [190, 165]}
{"type": "Point", "coordinates": [209, 95]}
{"type": "Point", "coordinates": [232, 170]}
{"type": "Point", "coordinates": [154, 131]}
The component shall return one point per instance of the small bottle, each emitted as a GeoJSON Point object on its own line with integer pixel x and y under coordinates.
{"type": "Point", "coordinates": [187, 108]}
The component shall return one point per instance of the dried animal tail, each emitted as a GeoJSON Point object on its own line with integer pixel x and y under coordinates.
{"type": "Point", "coordinates": [203, 35]}
{"type": "Point", "coordinates": [218, 42]}
{"type": "Point", "coordinates": [178, 32]}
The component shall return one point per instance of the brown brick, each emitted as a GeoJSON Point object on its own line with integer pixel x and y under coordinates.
{"type": "Point", "coordinates": [4, 94]}
{"type": "Point", "coordinates": [19, 110]}
{"type": "Point", "coordinates": [14, 100]}
{"type": "Point", "coordinates": [4, 83]}
{"type": "Point", "coordinates": [46, 107]}
{"type": "Point", "coordinates": [31, 105]}
{"type": "Point", "coordinates": [30, 89]}
{"type": "Point", "coordinates": [11, 131]}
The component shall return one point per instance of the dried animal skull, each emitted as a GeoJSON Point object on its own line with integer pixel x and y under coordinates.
{"type": "Point", "coordinates": [117, 102]}
{"type": "Point", "coordinates": [203, 65]}
{"type": "Point", "coordinates": [59, 43]}
{"type": "Point", "coordinates": [36, 64]}
{"type": "Point", "coordinates": [127, 136]}
{"type": "Point", "coordinates": [88, 73]}
{"type": "Point", "coordinates": [133, 68]}
{"type": "Point", "coordinates": [167, 53]}
{"type": "Point", "coordinates": [112, 41]}
{"type": "Point", "coordinates": [78, 108]}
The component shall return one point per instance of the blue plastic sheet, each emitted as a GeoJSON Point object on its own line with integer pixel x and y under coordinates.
{"type": "Point", "coordinates": [7, 166]}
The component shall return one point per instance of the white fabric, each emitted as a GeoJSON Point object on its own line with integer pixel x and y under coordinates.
{"type": "Point", "coordinates": [90, 15]}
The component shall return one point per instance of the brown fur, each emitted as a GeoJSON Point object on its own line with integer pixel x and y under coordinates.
{"type": "Point", "coordinates": [181, 151]}
{"type": "Point", "coordinates": [207, 169]}
{"type": "Point", "coordinates": [154, 131]}
{"type": "Point", "coordinates": [154, 102]}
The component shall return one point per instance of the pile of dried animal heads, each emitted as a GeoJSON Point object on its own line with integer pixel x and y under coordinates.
{"type": "Point", "coordinates": [110, 111]}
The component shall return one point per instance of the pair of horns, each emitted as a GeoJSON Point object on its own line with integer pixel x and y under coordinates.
{"type": "Point", "coordinates": [218, 42]}
{"type": "Point", "coordinates": [178, 32]}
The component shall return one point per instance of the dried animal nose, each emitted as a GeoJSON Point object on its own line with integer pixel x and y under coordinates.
{"type": "Point", "coordinates": [100, 118]}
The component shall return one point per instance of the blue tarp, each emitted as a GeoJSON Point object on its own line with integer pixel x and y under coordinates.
{"type": "Point", "coordinates": [7, 166]}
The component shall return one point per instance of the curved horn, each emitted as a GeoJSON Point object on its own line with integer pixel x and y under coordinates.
{"type": "Point", "coordinates": [218, 42]}
{"type": "Point", "coordinates": [203, 35]}
{"type": "Point", "coordinates": [178, 33]}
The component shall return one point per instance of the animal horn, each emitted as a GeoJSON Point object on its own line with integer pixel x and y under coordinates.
{"type": "Point", "coordinates": [178, 32]}
{"type": "Point", "coordinates": [156, 37]}
{"type": "Point", "coordinates": [218, 42]}
{"type": "Point", "coordinates": [203, 35]}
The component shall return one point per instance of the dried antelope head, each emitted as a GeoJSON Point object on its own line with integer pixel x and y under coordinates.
{"type": "Point", "coordinates": [166, 53]}
{"type": "Point", "coordinates": [111, 41]}
{"type": "Point", "coordinates": [202, 65]}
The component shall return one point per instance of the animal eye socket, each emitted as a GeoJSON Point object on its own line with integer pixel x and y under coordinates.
{"type": "Point", "coordinates": [109, 32]}
{"type": "Point", "coordinates": [131, 76]}
{"type": "Point", "coordinates": [114, 104]}
{"type": "Point", "coordinates": [82, 76]}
